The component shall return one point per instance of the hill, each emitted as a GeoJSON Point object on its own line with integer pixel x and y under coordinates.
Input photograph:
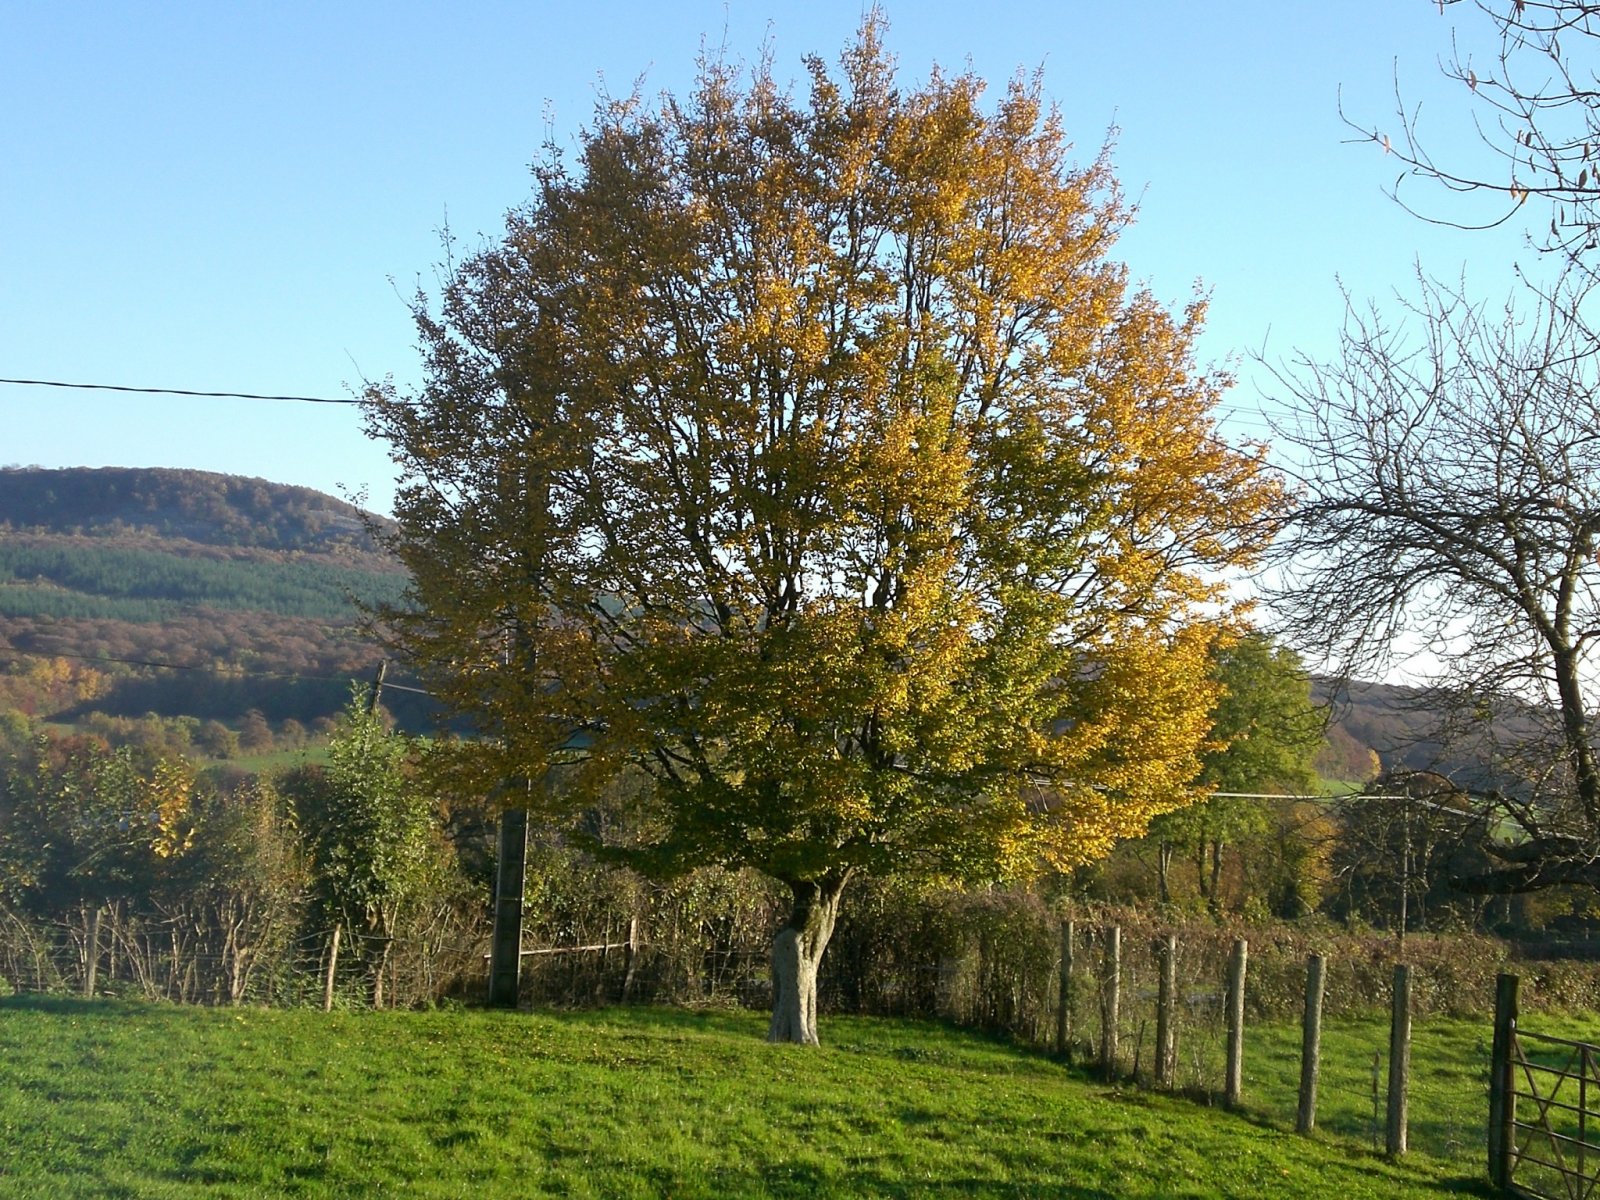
{"type": "Point", "coordinates": [195, 506]}
{"type": "Point", "coordinates": [183, 593]}
{"type": "Point", "coordinates": [1431, 729]}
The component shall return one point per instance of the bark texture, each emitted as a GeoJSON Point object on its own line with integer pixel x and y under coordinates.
{"type": "Point", "coordinates": [797, 954]}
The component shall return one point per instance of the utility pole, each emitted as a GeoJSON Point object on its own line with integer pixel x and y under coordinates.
{"type": "Point", "coordinates": [376, 690]}
{"type": "Point", "coordinates": [505, 949]}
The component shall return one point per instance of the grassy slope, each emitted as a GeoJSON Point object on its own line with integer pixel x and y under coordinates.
{"type": "Point", "coordinates": [110, 1099]}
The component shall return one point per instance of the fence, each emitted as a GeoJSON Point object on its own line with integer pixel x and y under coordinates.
{"type": "Point", "coordinates": [200, 956]}
{"type": "Point", "coordinates": [1544, 1093]}
{"type": "Point", "coordinates": [998, 961]}
{"type": "Point", "coordinates": [1137, 1002]}
{"type": "Point", "coordinates": [991, 959]}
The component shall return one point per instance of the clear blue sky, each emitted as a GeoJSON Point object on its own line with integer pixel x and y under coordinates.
{"type": "Point", "coordinates": [217, 196]}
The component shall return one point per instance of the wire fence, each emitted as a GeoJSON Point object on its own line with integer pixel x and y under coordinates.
{"type": "Point", "coordinates": [988, 959]}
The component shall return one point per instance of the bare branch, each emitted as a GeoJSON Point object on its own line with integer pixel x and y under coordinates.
{"type": "Point", "coordinates": [1450, 506]}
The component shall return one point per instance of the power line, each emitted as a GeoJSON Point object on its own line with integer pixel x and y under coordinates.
{"type": "Point", "coordinates": [155, 391]}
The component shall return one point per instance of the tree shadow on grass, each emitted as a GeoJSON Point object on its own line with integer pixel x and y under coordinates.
{"type": "Point", "coordinates": [78, 1006]}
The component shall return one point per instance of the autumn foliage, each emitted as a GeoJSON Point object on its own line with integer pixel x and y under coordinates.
{"type": "Point", "coordinates": [807, 462]}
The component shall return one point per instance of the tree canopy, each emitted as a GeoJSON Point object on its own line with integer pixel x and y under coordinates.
{"type": "Point", "coordinates": [1264, 733]}
{"type": "Point", "coordinates": [809, 461]}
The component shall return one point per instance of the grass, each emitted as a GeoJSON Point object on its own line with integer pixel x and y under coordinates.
{"type": "Point", "coordinates": [113, 1099]}
{"type": "Point", "coordinates": [272, 761]}
{"type": "Point", "coordinates": [1449, 1091]}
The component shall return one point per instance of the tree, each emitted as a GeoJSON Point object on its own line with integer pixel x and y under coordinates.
{"type": "Point", "coordinates": [1264, 734]}
{"type": "Point", "coordinates": [1451, 505]}
{"type": "Point", "coordinates": [1537, 112]}
{"type": "Point", "coordinates": [1398, 849]}
{"type": "Point", "coordinates": [255, 735]}
{"type": "Point", "coordinates": [368, 832]}
{"type": "Point", "coordinates": [811, 460]}
{"type": "Point", "coordinates": [81, 824]}
{"type": "Point", "coordinates": [216, 740]}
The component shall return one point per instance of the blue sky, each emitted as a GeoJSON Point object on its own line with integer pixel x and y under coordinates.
{"type": "Point", "coordinates": [239, 197]}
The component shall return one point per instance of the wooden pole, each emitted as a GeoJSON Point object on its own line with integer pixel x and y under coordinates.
{"type": "Point", "coordinates": [1502, 1101]}
{"type": "Point", "coordinates": [375, 690]}
{"type": "Point", "coordinates": [1405, 870]}
{"type": "Point", "coordinates": [1233, 1087]}
{"type": "Point", "coordinates": [333, 966]}
{"type": "Point", "coordinates": [1399, 1061]}
{"type": "Point", "coordinates": [1110, 1001]}
{"type": "Point", "coordinates": [1311, 1045]}
{"type": "Point", "coordinates": [505, 948]}
{"type": "Point", "coordinates": [1064, 1007]}
{"type": "Point", "coordinates": [632, 959]}
{"type": "Point", "coordinates": [1165, 1058]}
{"type": "Point", "coordinates": [91, 951]}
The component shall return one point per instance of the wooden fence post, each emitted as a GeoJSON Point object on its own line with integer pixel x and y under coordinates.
{"type": "Point", "coordinates": [333, 967]}
{"type": "Point", "coordinates": [1110, 1001]}
{"type": "Point", "coordinates": [1305, 1119]}
{"type": "Point", "coordinates": [1502, 1104]}
{"type": "Point", "coordinates": [1233, 1086]}
{"type": "Point", "coordinates": [91, 951]}
{"type": "Point", "coordinates": [505, 948]}
{"type": "Point", "coordinates": [631, 962]}
{"type": "Point", "coordinates": [1064, 1008]}
{"type": "Point", "coordinates": [1399, 1061]}
{"type": "Point", "coordinates": [1168, 954]}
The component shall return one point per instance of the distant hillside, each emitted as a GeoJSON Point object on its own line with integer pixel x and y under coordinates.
{"type": "Point", "coordinates": [41, 575]}
{"type": "Point", "coordinates": [1388, 718]}
{"type": "Point", "coordinates": [196, 506]}
{"type": "Point", "coordinates": [1409, 729]}
{"type": "Point", "coordinates": [248, 593]}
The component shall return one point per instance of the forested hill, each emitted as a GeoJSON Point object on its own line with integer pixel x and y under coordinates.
{"type": "Point", "coordinates": [245, 594]}
{"type": "Point", "coordinates": [183, 593]}
{"type": "Point", "coordinates": [197, 506]}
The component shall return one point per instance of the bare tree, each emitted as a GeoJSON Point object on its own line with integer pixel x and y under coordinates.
{"type": "Point", "coordinates": [1535, 101]}
{"type": "Point", "coordinates": [1450, 505]}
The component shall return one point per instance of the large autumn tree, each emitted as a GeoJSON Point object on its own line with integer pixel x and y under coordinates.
{"type": "Point", "coordinates": [808, 461]}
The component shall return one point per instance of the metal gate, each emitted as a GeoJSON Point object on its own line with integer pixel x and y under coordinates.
{"type": "Point", "coordinates": [1544, 1136]}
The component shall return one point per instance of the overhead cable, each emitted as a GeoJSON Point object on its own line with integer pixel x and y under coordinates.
{"type": "Point", "coordinates": [155, 391]}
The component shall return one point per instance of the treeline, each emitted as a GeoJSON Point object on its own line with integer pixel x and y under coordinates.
{"type": "Point", "coordinates": [230, 699]}
{"type": "Point", "coordinates": [150, 585]}
{"type": "Point", "coordinates": [216, 640]}
{"type": "Point", "coordinates": [224, 510]}
{"type": "Point", "coordinates": [165, 708]}
{"type": "Point", "coordinates": [356, 881]}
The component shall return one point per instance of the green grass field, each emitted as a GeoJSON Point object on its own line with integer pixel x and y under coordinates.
{"type": "Point", "coordinates": [123, 1100]}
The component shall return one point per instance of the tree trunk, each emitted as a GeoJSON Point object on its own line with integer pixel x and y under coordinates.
{"type": "Point", "coordinates": [796, 955]}
{"type": "Point", "coordinates": [1575, 730]}
{"type": "Point", "coordinates": [1163, 867]}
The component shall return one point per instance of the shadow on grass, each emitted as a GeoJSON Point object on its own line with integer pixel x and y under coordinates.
{"type": "Point", "coordinates": [78, 1006]}
{"type": "Point", "coordinates": [653, 1019]}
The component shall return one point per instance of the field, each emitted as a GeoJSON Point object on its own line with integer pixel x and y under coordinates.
{"type": "Point", "coordinates": [116, 1099]}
